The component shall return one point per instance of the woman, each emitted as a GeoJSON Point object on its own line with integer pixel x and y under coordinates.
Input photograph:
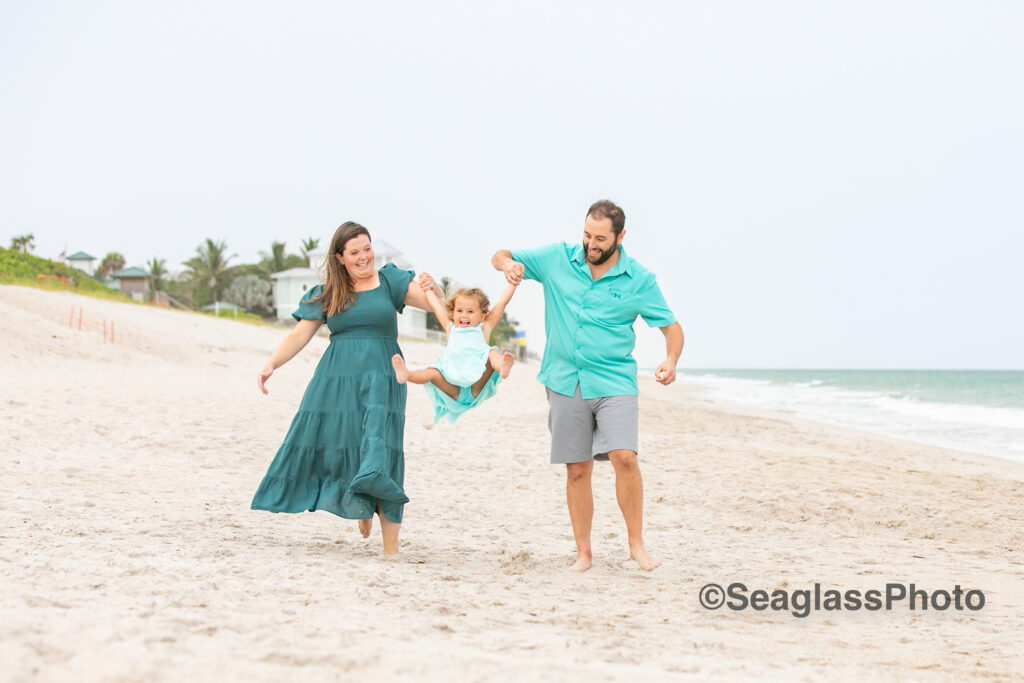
{"type": "Point", "coordinates": [343, 451]}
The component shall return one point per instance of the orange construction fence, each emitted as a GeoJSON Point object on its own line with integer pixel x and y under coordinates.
{"type": "Point", "coordinates": [65, 282]}
{"type": "Point", "coordinates": [91, 323]}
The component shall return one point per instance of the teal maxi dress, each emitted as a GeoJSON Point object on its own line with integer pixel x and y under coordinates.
{"type": "Point", "coordinates": [343, 451]}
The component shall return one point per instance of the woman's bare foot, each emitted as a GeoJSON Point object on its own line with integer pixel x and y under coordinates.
{"type": "Point", "coordinates": [365, 526]}
{"type": "Point", "coordinates": [388, 533]}
{"type": "Point", "coordinates": [401, 372]}
{"type": "Point", "coordinates": [507, 359]}
{"type": "Point", "coordinates": [643, 558]}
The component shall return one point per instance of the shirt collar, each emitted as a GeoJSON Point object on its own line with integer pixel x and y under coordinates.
{"type": "Point", "coordinates": [624, 265]}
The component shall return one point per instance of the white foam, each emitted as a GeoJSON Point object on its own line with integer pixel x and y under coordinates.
{"type": "Point", "coordinates": [979, 429]}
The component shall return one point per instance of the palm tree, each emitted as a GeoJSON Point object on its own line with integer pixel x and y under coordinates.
{"type": "Point", "coordinates": [157, 272]}
{"type": "Point", "coordinates": [308, 245]}
{"type": "Point", "coordinates": [111, 262]}
{"type": "Point", "coordinates": [209, 266]}
{"type": "Point", "coordinates": [275, 260]}
{"type": "Point", "coordinates": [23, 243]}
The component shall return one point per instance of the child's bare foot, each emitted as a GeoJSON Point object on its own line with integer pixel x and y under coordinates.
{"type": "Point", "coordinates": [507, 359]}
{"type": "Point", "coordinates": [365, 526]}
{"type": "Point", "coordinates": [401, 372]}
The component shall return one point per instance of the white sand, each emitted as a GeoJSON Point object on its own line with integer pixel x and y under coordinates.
{"type": "Point", "coordinates": [129, 551]}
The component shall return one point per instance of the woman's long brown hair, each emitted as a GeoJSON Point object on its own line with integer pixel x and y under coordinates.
{"type": "Point", "coordinates": [339, 293]}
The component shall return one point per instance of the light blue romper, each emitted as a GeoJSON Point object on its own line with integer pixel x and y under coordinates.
{"type": "Point", "coordinates": [462, 363]}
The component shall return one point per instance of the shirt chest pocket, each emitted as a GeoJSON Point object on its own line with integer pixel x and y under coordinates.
{"type": "Point", "coordinates": [612, 305]}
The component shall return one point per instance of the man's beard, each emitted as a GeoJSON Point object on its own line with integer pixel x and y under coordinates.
{"type": "Point", "coordinates": [605, 255]}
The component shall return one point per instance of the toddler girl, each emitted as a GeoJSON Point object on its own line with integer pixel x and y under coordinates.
{"type": "Point", "coordinates": [469, 369]}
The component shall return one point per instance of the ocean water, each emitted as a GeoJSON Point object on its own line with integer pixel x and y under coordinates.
{"type": "Point", "coordinates": [980, 411]}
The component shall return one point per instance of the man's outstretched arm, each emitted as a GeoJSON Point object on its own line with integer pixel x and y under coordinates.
{"type": "Point", "coordinates": [503, 261]}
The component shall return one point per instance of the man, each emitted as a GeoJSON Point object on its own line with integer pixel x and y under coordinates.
{"type": "Point", "coordinates": [592, 295]}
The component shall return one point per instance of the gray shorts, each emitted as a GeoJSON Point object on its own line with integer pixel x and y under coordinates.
{"type": "Point", "coordinates": [587, 429]}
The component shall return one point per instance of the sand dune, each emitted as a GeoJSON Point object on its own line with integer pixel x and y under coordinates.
{"type": "Point", "coordinates": [129, 551]}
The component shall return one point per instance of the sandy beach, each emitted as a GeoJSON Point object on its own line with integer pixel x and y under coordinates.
{"type": "Point", "coordinates": [129, 551]}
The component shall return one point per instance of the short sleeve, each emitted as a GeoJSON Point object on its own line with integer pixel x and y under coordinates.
{"type": "Point", "coordinates": [653, 308]}
{"type": "Point", "coordinates": [396, 281]}
{"type": "Point", "coordinates": [538, 262]}
{"type": "Point", "coordinates": [308, 309]}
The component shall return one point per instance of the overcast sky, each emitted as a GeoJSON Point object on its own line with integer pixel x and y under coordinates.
{"type": "Point", "coordinates": [815, 184]}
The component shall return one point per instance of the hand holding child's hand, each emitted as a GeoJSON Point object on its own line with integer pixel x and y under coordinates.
{"type": "Point", "coordinates": [426, 282]}
{"type": "Point", "coordinates": [514, 273]}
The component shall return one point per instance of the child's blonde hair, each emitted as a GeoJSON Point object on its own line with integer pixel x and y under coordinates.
{"type": "Point", "coordinates": [469, 292]}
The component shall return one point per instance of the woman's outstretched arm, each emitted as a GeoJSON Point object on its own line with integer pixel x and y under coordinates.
{"type": "Point", "coordinates": [293, 342]}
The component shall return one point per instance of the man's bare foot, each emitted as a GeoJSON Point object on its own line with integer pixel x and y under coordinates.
{"type": "Point", "coordinates": [507, 359]}
{"type": "Point", "coordinates": [582, 564]}
{"type": "Point", "coordinates": [643, 558]}
{"type": "Point", "coordinates": [401, 372]}
{"type": "Point", "coordinates": [365, 525]}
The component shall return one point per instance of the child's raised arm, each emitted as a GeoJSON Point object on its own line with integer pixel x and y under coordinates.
{"type": "Point", "coordinates": [438, 307]}
{"type": "Point", "coordinates": [494, 317]}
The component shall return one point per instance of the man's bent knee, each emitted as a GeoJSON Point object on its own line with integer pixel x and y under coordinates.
{"type": "Point", "coordinates": [623, 459]}
{"type": "Point", "coordinates": [578, 471]}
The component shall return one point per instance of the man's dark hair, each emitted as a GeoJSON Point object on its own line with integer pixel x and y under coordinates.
{"type": "Point", "coordinates": [608, 209]}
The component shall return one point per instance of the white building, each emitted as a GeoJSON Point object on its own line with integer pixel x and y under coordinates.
{"type": "Point", "coordinates": [291, 284]}
{"type": "Point", "coordinates": [82, 261]}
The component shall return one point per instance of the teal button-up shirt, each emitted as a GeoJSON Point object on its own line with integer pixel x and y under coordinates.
{"type": "Point", "coordinates": [589, 323]}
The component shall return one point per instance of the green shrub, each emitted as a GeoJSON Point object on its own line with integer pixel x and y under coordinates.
{"type": "Point", "coordinates": [25, 269]}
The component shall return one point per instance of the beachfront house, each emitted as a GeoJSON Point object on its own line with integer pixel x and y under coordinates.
{"type": "Point", "coordinates": [291, 284]}
{"type": "Point", "coordinates": [82, 262]}
{"type": "Point", "coordinates": [132, 282]}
